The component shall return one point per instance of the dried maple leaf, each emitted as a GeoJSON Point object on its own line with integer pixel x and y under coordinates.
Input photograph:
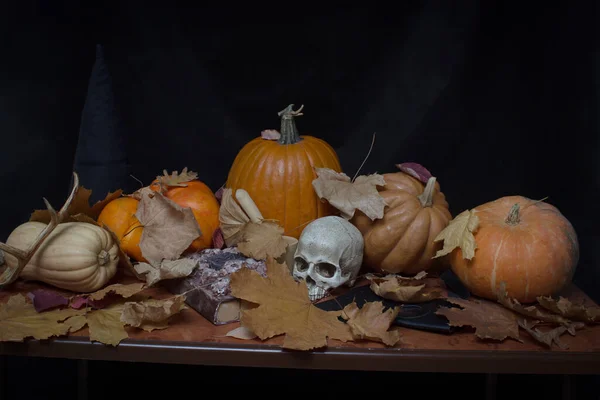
{"type": "Point", "coordinates": [551, 336]}
{"type": "Point", "coordinates": [165, 180]}
{"type": "Point", "coordinates": [19, 320]}
{"type": "Point", "coordinates": [528, 311]}
{"type": "Point", "coordinates": [415, 289]}
{"type": "Point", "coordinates": [242, 225]}
{"type": "Point", "coordinates": [105, 325]}
{"type": "Point", "coordinates": [348, 196]}
{"type": "Point", "coordinates": [168, 269]}
{"type": "Point", "coordinates": [152, 314]}
{"type": "Point", "coordinates": [285, 308]}
{"type": "Point", "coordinates": [459, 233]}
{"type": "Point", "coordinates": [415, 170]}
{"type": "Point", "coordinates": [169, 229]}
{"type": "Point", "coordinates": [80, 206]}
{"type": "Point", "coordinates": [565, 308]}
{"type": "Point", "coordinates": [370, 322]}
{"type": "Point", "coordinates": [490, 320]}
{"type": "Point", "coordinates": [120, 289]}
{"type": "Point", "coordinates": [232, 218]}
{"type": "Point", "coordinates": [262, 240]}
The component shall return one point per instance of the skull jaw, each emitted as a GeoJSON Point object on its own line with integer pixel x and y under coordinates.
{"type": "Point", "coordinates": [316, 293]}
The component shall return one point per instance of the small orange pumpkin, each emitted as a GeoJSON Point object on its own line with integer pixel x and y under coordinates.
{"type": "Point", "coordinates": [402, 242]}
{"type": "Point", "coordinates": [527, 244]}
{"type": "Point", "coordinates": [278, 175]}
{"type": "Point", "coordinates": [201, 199]}
{"type": "Point", "coordinates": [119, 216]}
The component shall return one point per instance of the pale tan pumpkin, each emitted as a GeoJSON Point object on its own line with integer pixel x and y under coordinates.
{"type": "Point", "coordinates": [402, 241]}
{"type": "Point", "coordinates": [76, 256]}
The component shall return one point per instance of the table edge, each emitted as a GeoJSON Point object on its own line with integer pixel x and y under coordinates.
{"type": "Point", "coordinates": [332, 358]}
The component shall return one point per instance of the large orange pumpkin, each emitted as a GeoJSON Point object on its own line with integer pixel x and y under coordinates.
{"type": "Point", "coordinates": [201, 199]}
{"type": "Point", "coordinates": [527, 244]}
{"type": "Point", "coordinates": [278, 175]}
{"type": "Point", "coordinates": [402, 242]}
{"type": "Point", "coordinates": [119, 216]}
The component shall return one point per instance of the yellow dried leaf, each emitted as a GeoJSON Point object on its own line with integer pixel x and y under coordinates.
{"type": "Point", "coordinates": [168, 269]}
{"type": "Point", "coordinates": [564, 307]}
{"type": "Point", "coordinates": [19, 320]}
{"type": "Point", "coordinates": [152, 314]}
{"type": "Point", "coordinates": [285, 308]}
{"type": "Point", "coordinates": [459, 234]}
{"type": "Point", "coordinates": [370, 322]}
{"type": "Point", "coordinates": [167, 180]}
{"type": "Point", "coordinates": [415, 289]}
{"type": "Point", "coordinates": [169, 229]}
{"type": "Point", "coordinates": [105, 325]}
{"type": "Point", "coordinates": [262, 240]}
{"type": "Point", "coordinates": [120, 289]}
{"type": "Point", "coordinates": [348, 196]}
{"type": "Point", "coordinates": [79, 207]}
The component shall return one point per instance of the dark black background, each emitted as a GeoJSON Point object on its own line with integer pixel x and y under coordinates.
{"type": "Point", "coordinates": [495, 98]}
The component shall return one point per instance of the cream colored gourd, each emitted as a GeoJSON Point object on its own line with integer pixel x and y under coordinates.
{"type": "Point", "coordinates": [76, 256]}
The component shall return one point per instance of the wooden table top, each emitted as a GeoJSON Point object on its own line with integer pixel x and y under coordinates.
{"type": "Point", "coordinates": [191, 339]}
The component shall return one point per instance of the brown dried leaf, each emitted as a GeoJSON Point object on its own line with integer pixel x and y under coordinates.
{"type": "Point", "coordinates": [262, 240]}
{"type": "Point", "coordinates": [415, 289]}
{"type": "Point", "coordinates": [347, 196]}
{"type": "Point", "coordinates": [169, 229]}
{"type": "Point", "coordinates": [285, 308]}
{"type": "Point", "coordinates": [105, 325]}
{"type": "Point", "coordinates": [165, 180]}
{"type": "Point", "coordinates": [19, 320]}
{"type": "Point", "coordinates": [79, 207]}
{"type": "Point", "coordinates": [372, 323]}
{"type": "Point", "coordinates": [528, 311]}
{"type": "Point", "coordinates": [459, 234]}
{"type": "Point", "coordinates": [551, 336]}
{"type": "Point", "coordinates": [168, 269]}
{"type": "Point", "coordinates": [232, 218]}
{"type": "Point", "coordinates": [565, 308]}
{"type": "Point", "coordinates": [119, 289]}
{"type": "Point", "coordinates": [152, 314]}
{"type": "Point", "coordinates": [490, 320]}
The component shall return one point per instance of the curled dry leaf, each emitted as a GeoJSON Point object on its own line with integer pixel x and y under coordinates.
{"type": "Point", "coordinates": [371, 322]}
{"type": "Point", "coordinates": [232, 219]}
{"type": "Point", "coordinates": [168, 269]}
{"type": "Point", "coordinates": [415, 170]}
{"type": "Point", "coordinates": [169, 229]}
{"type": "Point", "coordinates": [167, 180]}
{"type": "Point", "coordinates": [550, 336]}
{"type": "Point", "coordinates": [80, 207]}
{"type": "Point", "coordinates": [270, 134]}
{"type": "Point", "coordinates": [19, 320]}
{"type": "Point", "coordinates": [415, 289]}
{"type": "Point", "coordinates": [284, 308]}
{"type": "Point", "coordinates": [242, 333]}
{"type": "Point", "coordinates": [348, 196]}
{"type": "Point", "coordinates": [459, 234]}
{"type": "Point", "coordinates": [152, 314]}
{"type": "Point", "coordinates": [564, 307]}
{"type": "Point", "coordinates": [490, 320]}
{"type": "Point", "coordinates": [119, 289]}
{"type": "Point", "coordinates": [532, 311]}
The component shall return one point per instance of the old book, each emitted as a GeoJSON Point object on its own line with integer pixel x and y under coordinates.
{"type": "Point", "coordinates": [207, 288]}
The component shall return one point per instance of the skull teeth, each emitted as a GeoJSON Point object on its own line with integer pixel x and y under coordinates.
{"type": "Point", "coordinates": [316, 293]}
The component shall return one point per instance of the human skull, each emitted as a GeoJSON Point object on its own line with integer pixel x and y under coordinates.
{"type": "Point", "coordinates": [329, 255]}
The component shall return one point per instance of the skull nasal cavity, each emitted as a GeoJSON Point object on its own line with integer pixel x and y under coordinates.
{"type": "Point", "coordinates": [326, 270]}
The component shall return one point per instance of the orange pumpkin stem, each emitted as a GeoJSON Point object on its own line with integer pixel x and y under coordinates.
{"type": "Point", "coordinates": [513, 217]}
{"type": "Point", "coordinates": [426, 197]}
{"type": "Point", "coordinates": [289, 132]}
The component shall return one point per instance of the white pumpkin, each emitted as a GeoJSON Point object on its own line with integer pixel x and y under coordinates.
{"type": "Point", "coordinates": [76, 256]}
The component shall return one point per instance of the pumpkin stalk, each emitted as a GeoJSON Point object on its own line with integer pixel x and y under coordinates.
{"type": "Point", "coordinates": [289, 131]}
{"type": "Point", "coordinates": [513, 217]}
{"type": "Point", "coordinates": [103, 257]}
{"type": "Point", "coordinates": [249, 206]}
{"type": "Point", "coordinates": [426, 198]}
{"type": "Point", "coordinates": [24, 256]}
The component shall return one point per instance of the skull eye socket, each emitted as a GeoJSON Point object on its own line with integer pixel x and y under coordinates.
{"type": "Point", "coordinates": [301, 264]}
{"type": "Point", "coordinates": [326, 270]}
